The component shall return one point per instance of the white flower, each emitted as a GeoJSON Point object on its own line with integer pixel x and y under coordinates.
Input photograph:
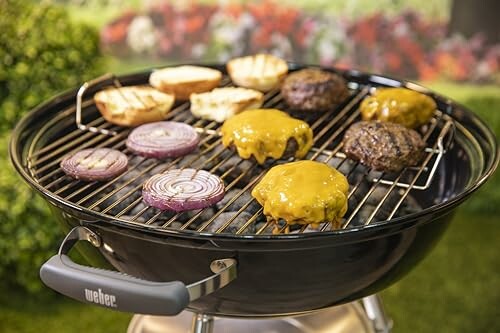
{"type": "Point", "coordinates": [223, 56]}
{"type": "Point", "coordinates": [198, 50]}
{"type": "Point", "coordinates": [282, 46]}
{"type": "Point", "coordinates": [246, 21]}
{"type": "Point", "coordinates": [326, 49]}
{"type": "Point", "coordinates": [141, 36]}
{"type": "Point", "coordinates": [401, 29]}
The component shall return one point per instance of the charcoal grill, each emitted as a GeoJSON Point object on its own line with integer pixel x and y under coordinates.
{"type": "Point", "coordinates": [233, 261]}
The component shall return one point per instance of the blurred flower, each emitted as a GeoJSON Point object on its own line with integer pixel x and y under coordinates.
{"type": "Point", "coordinates": [141, 36]}
{"type": "Point", "coordinates": [404, 45]}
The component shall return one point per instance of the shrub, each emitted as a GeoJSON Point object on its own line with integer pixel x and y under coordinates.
{"type": "Point", "coordinates": [41, 53]}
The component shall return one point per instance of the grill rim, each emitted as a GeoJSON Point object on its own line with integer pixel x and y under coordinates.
{"type": "Point", "coordinates": [467, 117]}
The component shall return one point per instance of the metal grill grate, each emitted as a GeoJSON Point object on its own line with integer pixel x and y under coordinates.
{"type": "Point", "coordinates": [374, 196]}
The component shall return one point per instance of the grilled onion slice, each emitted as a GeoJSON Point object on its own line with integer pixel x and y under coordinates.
{"type": "Point", "coordinates": [95, 164]}
{"type": "Point", "coordinates": [163, 139]}
{"type": "Point", "coordinates": [183, 189]}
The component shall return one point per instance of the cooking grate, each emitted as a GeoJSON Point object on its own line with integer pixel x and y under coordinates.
{"type": "Point", "coordinates": [373, 196]}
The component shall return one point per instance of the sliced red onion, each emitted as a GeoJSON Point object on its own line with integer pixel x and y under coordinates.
{"type": "Point", "coordinates": [163, 139]}
{"type": "Point", "coordinates": [95, 164]}
{"type": "Point", "coordinates": [183, 189]}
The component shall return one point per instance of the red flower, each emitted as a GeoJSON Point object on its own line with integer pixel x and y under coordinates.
{"type": "Point", "coordinates": [394, 61]}
{"type": "Point", "coordinates": [261, 38]}
{"type": "Point", "coordinates": [426, 72]}
{"type": "Point", "coordinates": [233, 10]}
{"type": "Point", "coordinates": [116, 31]}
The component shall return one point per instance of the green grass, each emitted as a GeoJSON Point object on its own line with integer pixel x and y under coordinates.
{"type": "Point", "coordinates": [456, 288]}
{"type": "Point", "coordinates": [21, 313]}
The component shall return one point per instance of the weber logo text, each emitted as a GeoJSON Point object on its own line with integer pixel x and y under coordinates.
{"type": "Point", "coordinates": [99, 297]}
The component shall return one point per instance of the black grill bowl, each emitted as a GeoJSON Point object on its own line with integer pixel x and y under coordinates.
{"type": "Point", "coordinates": [280, 274]}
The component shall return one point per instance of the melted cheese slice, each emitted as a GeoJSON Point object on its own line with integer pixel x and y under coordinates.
{"type": "Point", "coordinates": [398, 105]}
{"type": "Point", "coordinates": [263, 133]}
{"type": "Point", "coordinates": [303, 192]}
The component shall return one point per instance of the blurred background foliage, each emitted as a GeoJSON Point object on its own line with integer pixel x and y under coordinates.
{"type": "Point", "coordinates": [50, 46]}
{"type": "Point", "coordinates": [42, 52]}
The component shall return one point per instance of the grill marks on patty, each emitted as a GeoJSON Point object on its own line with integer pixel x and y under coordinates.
{"type": "Point", "coordinates": [383, 146]}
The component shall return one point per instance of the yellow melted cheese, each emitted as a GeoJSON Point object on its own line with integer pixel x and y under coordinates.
{"type": "Point", "coordinates": [303, 192]}
{"type": "Point", "coordinates": [398, 105]}
{"type": "Point", "coordinates": [263, 133]}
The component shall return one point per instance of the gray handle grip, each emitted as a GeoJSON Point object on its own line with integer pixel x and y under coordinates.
{"type": "Point", "coordinates": [122, 292]}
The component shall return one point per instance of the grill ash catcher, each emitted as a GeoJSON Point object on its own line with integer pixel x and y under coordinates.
{"type": "Point", "coordinates": [224, 268]}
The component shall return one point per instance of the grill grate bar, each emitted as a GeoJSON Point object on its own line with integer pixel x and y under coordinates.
{"type": "Point", "coordinates": [142, 211]}
{"type": "Point", "coordinates": [100, 122]}
{"type": "Point", "coordinates": [250, 221]}
{"type": "Point", "coordinates": [264, 227]}
{"type": "Point", "coordinates": [154, 218]}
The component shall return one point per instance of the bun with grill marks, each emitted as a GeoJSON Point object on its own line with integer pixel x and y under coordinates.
{"type": "Point", "coordinates": [133, 105]}
{"type": "Point", "coordinates": [223, 103]}
{"type": "Point", "coordinates": [262, 72]}
{"type": "Point", "coordinates": [182, 81]}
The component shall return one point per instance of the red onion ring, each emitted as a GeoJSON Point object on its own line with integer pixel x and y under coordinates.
{"type": "Point", "coordinates": [163, 139]}
{"type": "Point", "coordinates": [183, 189]}
{"type": "Point", "coordinates": [95, 164]}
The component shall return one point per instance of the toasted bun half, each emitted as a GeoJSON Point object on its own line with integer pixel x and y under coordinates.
{"type": "Point", "coordinates": [183, 81]}
{"type": "Point", "coordinates": [133, 105]}
{"type": "Point", "coordinates": [223, 103]}
{"type": "Point", "coordinates": [262, 72]}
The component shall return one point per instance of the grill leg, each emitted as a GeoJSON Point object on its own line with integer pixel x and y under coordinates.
{"type": "Point", "coordinates": [375, 311]}
{"type": "Point", "coordinates": [202, 323]}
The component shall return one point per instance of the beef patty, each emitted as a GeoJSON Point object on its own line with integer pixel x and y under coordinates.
{"type": "Point", "coordinates": [383, 146]}
{"type": "Point", "coordinates": [314, 90]}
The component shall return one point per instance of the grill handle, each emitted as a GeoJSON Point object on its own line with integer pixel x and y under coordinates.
{"type": "Point", "coordinates": [123, 292]}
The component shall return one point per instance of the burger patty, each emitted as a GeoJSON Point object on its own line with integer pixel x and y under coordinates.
{"type": "Point", "coordinates": [383, 146]}
{"type": "Point", "coordinates": [314, 90]}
